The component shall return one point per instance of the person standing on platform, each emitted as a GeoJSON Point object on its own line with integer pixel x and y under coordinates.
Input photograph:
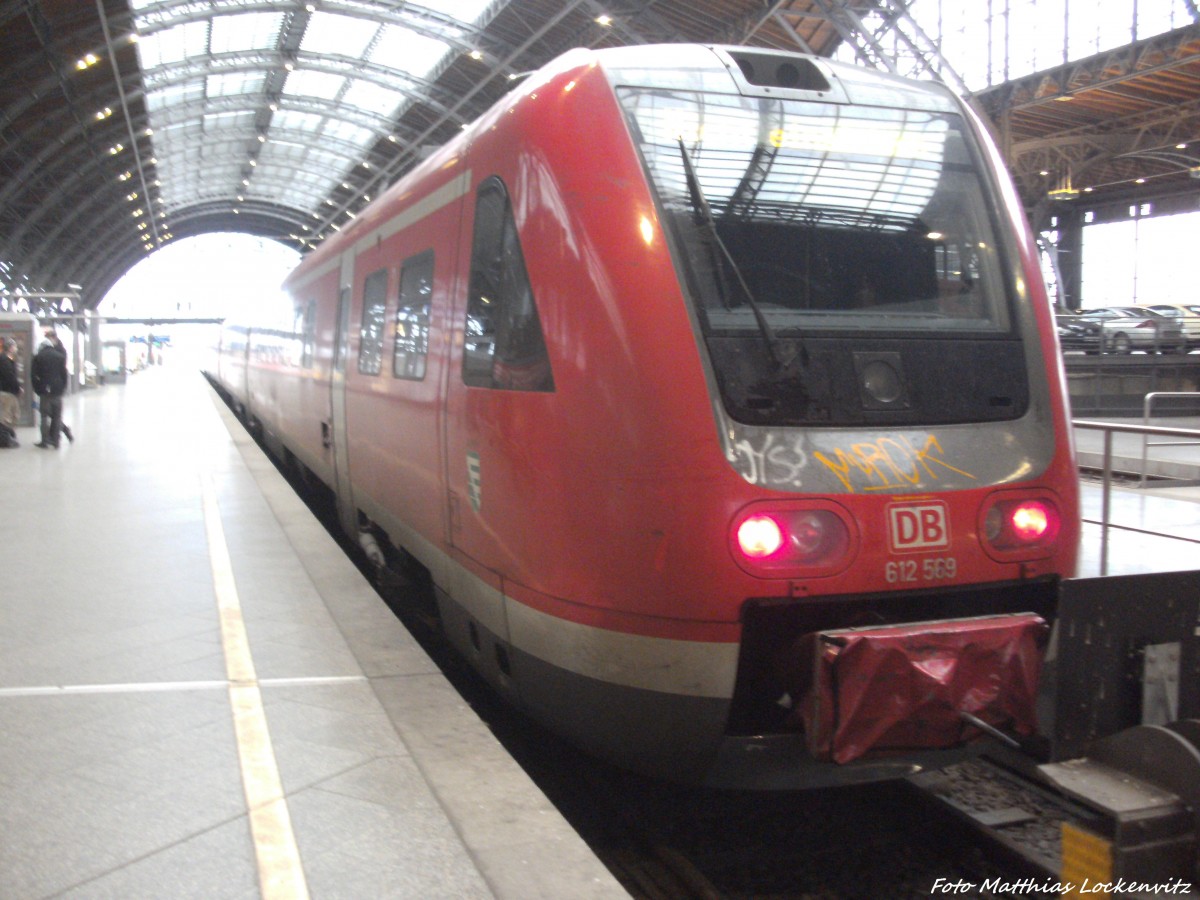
{"type": "Point", "coordinates": [50, 378]}
{"type": "Point", "coordinates": [10, 390]}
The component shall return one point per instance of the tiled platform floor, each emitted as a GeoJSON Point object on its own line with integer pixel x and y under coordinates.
{"type": "Point", "coordinates": [120, 764]}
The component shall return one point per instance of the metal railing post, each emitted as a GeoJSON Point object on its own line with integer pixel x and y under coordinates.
{"type": "Point", "coordinates": [1105, 502]}
{"type": "Point", "coordinates": [1146, 431]}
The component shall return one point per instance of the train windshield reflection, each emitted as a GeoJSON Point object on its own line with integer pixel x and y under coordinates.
{"type": "Point", "coordinates": [838, 218]}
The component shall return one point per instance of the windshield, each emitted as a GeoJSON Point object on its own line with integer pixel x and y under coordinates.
{"type": "Point", "coordinates": [839, 217]}
{"type": "Point", "coordinates": [826, 228]}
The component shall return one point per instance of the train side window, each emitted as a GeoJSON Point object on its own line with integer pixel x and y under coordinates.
{"type": "Point", "coordinates": [503, 346]}
{"type": "Point", "coordinates": [412, 317]}
{"type": "Point", "coordinates": [300, 343]}
{"type": "Point", "coordinates": [370, 347]}
{"type": "Point", "coordinates": [308, 335]}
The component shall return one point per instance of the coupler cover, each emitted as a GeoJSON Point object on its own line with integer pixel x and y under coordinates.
{"type": "Point", "coordinates": [906, 687]}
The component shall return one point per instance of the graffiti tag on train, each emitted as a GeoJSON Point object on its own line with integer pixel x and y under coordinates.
{"type": "Point", "coordinates": [776, 462]}
{"type": "Point", "coordinates": [889, 463]}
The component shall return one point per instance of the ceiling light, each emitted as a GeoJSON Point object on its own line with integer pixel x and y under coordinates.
{"type": "Point", "coordinates": [604, 20]}
{"type": "Point", "coordinates": [475, 55]}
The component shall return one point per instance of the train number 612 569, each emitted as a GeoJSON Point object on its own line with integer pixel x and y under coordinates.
{"type": "Point", "coordinates": [910, 570]}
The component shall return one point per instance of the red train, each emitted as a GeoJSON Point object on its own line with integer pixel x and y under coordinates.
{"type": "Point", "coordinates": [719, 393]}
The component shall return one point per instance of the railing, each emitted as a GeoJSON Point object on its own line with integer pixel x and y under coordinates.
{"type": "Point", "coordinates": [1109, 429]}
{"type": "Point", "coordinates": [1148, 405]}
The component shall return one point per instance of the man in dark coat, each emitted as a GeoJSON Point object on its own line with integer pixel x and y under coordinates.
{"type": "Point", "coordinates": [10, 390]}
{"type": "Point", "coordinates": [50, 378]}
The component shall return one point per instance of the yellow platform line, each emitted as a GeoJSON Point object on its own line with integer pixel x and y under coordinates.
{"type": "Point", "coordinates": [280, 874]}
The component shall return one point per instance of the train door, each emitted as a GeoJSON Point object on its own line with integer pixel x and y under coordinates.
{"type": "Point", "coordinates": [497, 390]}
{"type": "Point", "coordinates": [347, 513]}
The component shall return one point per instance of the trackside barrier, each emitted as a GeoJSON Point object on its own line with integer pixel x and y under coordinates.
{"type": "Point", "coordinates": [1147, 406]}
{"type": "Point", "coordinates": [1109, 429]}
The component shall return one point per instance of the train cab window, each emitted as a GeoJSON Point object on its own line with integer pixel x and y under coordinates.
{"type": "Point", "coordinates": [412, 317]}
{"type": "Point", "coordinates": [504, 347]}
{"type": "Point", "coordinates": [821, 243]}
{"type": "Point", "coordinates": [370, 347]}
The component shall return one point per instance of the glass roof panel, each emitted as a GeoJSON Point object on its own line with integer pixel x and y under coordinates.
{"type": "Point", "coordinates": [331, 34]}
{"type": "Point", "coordinates": [302, 83]}
{"type": "Point", "coordinates": [348, 131]}
{"type": "Point", "coordinates": [174, 95]}
{"type": "Point", "coordinates": [373, 97]}
{"type": "Point", "coordinates": [295, 120]}
{"type": "Point", "coordinates": [227, 121]}
{"type": "Point", "coordinates": [408, 51]}
{"type": "Point", "coordinates": [249, 31]}
{"type": "Point", "coordinates": [173, 45]}
{"type": "Point", "coordinates": [231, 84]}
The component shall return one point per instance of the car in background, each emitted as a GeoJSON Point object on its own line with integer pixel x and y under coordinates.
{"type": "Point", "coordinates": [1187, 315]}
{"type": "Point", "coordinates": [1124, 329]}
{"type": "Point", "coordinates": [1075, 333]}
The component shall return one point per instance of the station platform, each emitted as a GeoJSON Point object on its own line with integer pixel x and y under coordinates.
{"type": "Point", "coordinates": [200, 695]}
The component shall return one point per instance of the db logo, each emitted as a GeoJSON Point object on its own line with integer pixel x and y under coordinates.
{"type": "Point", "coordinates": [918, 526]}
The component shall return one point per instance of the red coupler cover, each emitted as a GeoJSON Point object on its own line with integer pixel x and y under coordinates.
{"type": "Point", "coordinates": [903, 687]}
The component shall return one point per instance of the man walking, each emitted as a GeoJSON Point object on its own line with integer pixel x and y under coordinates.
{"type": "Point", "coordinates": [50, 378]}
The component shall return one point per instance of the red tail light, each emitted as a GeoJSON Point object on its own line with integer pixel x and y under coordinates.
{"type": "Point", "coordinates": [792, 539]}
{"type": "Point", "coordinates": [1021, 527]}
{"type": "Point", "coordinates": [759, 537]}
{"type": "Point", "coordinates": [1031, 521]}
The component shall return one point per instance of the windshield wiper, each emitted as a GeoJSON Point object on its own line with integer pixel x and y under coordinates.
{"type": "Point", "coordinates": [782, 356]}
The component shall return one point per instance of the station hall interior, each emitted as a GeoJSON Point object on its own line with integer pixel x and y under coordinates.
{"type": "Point", "coordinates": [164, 165]}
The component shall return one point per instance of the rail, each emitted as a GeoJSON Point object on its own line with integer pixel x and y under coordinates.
{"type": "Point", "coordinates": [1109, 429]}
{"type": "Point", "coordinates": [1148, 404]}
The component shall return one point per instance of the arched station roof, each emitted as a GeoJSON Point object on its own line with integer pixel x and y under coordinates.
{"type": "Point", "coordinates": [126, 124]}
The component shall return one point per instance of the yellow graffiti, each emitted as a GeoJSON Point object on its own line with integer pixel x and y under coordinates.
{"type": "Point", "coordinates": [888, 463]}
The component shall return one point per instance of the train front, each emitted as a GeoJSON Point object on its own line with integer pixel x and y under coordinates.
{"type": "Point", "coordinates": [886, 386]}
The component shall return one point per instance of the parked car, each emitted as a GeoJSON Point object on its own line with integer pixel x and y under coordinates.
{"type": "Point", "coordinates": [1075, 333]}
{"type": "Point", "coordinates": [1187, 315]}
{"type": "Point", "coordinates": [1124, 329]}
